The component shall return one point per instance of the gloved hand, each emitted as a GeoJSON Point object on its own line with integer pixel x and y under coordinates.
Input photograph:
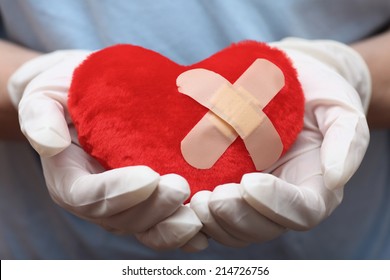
{"type": "Point", "coordinates": [305, 185]}
{"type": "Point", "coordinates": [127, 200]}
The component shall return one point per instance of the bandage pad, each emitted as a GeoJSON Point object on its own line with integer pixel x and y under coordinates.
{"type": "Point", "coordinates": [235, 110]}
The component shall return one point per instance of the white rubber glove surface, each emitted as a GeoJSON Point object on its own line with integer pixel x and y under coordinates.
{"type": "Point", "coordinates": [130, 200]}
{"type": "Point", "coordinates": [304, 186]}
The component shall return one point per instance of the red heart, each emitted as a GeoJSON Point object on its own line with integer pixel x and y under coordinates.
{"type": "Point", "coordinates": [127, 110]}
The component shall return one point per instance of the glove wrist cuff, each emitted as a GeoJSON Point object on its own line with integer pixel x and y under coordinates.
{"type": "Point", "coordinates": [19, 80]}
{"type": "Point", "coordinates": [341, 58]}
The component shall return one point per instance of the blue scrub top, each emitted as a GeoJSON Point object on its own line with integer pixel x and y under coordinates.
{"type": "Point", "coordinates": [32, 226]}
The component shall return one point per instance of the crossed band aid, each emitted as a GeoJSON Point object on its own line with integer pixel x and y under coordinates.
{"type": "Point", "coordinates": [235, 110]}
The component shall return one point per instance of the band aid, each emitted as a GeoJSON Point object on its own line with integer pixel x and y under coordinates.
{"type": "Point", "coordinates": [235, 110]}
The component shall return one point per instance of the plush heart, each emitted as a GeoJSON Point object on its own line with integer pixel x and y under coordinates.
{"type": "Point", "coordinates": [127, 110]}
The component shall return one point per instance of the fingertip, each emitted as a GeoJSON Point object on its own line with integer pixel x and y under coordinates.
{"type": "Point", "coordinates": [255, 178]}
{"type": "Point", "coordinates": [43, 123]}
{"type": "Point", "coordinates": [174, 232]}
{"type": "Point", "coordinates": [344, 146]}
{"type": "Point", "coordinates": [199, 203]}
{"type": "Point", "coordinates": [47, 141]}
{"type": "Point", "coordinates": [334, 177]}
{"type": "Point", "coordinates": [176, 184]}
{"type": "Point", "coordinates": [140, 175]}
{"type": "Point", "coordinates": [198, 243]}
{"type": "Point", "coordinates": [255, 185]}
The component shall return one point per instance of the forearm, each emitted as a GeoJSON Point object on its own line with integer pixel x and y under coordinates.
{"type": "Point", "coordinates": [11, 57]}
{"type": "Point", "coordinates": [377, 56]}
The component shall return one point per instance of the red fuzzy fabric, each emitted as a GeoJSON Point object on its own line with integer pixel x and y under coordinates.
{"type": "Point", "coordinates": [127, 110]}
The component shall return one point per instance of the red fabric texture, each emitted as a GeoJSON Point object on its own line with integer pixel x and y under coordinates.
{"type": "Point", "coordinates": [127, 110]}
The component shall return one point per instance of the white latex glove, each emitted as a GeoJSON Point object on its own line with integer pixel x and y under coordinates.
{"type": "Point", "coordinates": [126, 200]}
{"type": "Point", "coordinates": [304, 186]}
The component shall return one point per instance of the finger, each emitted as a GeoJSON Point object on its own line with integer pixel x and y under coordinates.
{"type": "Point", "coordinates": [240, 219]}
{"type": "Point", "coordinates": [200, 204]}
{"type": "Point", "coordinates": [171, 192]}
{"type": "Point", "coordinates": [346, 138]}
{"type": "Point", "coordinates": [292, 206]}
{"type": "Point", "coordinates": [72, 183]}
{"type": "Point", "coordinates": [173, 232]}
{"type": "Point", "coordinates": [198, 243]}
{"type": "Point", "coordinates": [42, 110]}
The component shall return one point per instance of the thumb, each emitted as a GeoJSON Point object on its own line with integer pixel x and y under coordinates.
{"type": "Point", "coordinates": [43, 107]}
{"type": "Point", "coordinates": [346, 138]}
{"type": "Point", "coordinates": [173, 232]}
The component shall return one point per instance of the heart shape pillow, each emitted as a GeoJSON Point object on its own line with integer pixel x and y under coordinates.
{"type": "Point", "coordinates": [127, 110]}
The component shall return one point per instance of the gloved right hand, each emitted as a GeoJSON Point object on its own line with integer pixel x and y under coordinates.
{"type": "Point", "coordinates": [306, 184]}
{"type": "Point", "coordinates": [130, 200]}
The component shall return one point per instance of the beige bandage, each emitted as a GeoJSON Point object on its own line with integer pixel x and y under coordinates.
{"type": "Point", "coordinates": [235, 110]}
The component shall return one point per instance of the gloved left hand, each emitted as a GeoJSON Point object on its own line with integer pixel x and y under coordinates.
{"type": "Point", "coordinates": [130, 200]}
{"type": "Point", "coordinates": [305, 185]}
